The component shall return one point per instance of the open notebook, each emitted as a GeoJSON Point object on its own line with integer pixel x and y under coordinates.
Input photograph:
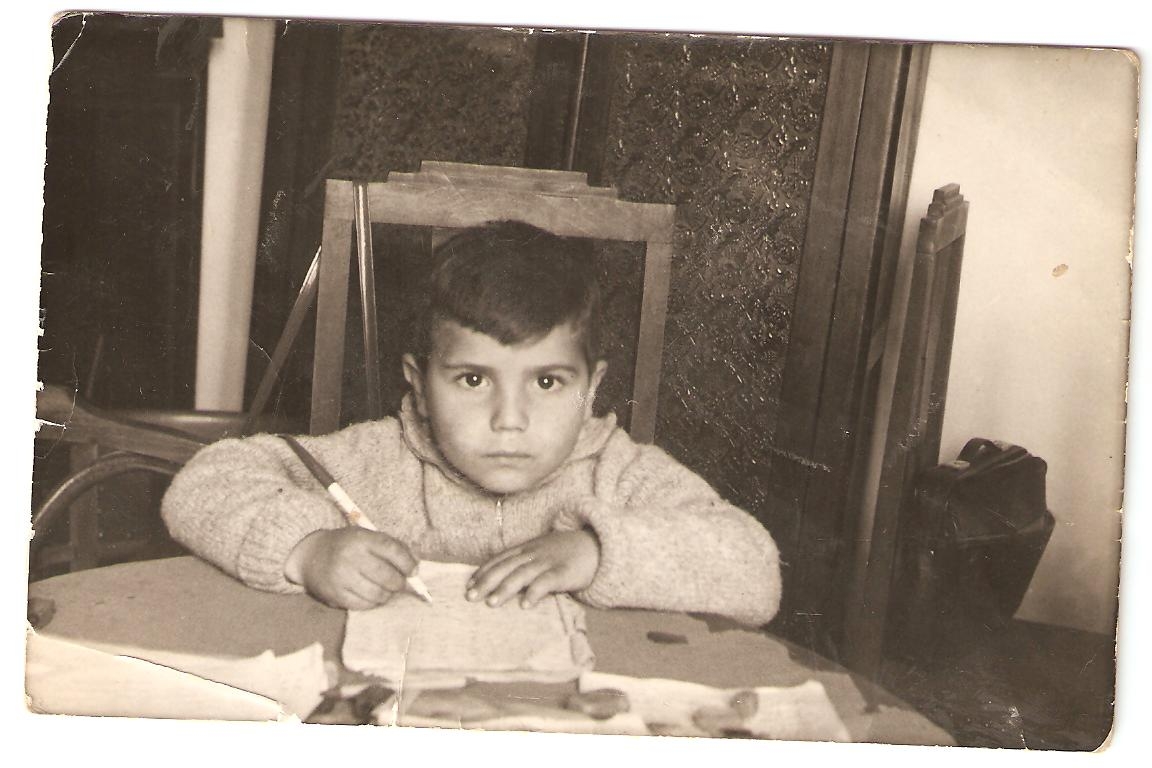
{"type": "Point", "coordinates": [411, 643]}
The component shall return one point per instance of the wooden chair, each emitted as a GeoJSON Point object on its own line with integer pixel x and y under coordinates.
{"type": "Point", "coordinates": [101, 446]}
{"type": "Point", "coordinates": [104, 445]}
{"type": "Point", "coordinates": [455, 195]}
{"type": "Point", "coordinates": [916, 418]}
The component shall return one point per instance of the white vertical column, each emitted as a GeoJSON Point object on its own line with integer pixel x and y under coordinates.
{"type": "Point", "coordinates": [239, 85]}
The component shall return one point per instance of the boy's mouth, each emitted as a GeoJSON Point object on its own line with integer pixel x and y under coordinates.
{"type": "Point", "coordinates": [508, 455]}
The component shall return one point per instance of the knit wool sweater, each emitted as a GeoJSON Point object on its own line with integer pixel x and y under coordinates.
{"type": "Point", "coordinates": [667, 539]}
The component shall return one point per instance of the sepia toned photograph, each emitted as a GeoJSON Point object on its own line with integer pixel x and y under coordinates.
{"type": "Point", "coordinates": [601, 382]}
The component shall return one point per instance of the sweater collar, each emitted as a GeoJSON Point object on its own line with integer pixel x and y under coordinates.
{"type": "Point", "coordinates": [418, 436]}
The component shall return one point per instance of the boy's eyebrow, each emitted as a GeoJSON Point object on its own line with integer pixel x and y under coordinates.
{"type": "Point", "coordinates": [463, 365]}
{"type": "Point", "coordinates": [571, 370]}
{"type": "Point", "coordinates": [486, 369]}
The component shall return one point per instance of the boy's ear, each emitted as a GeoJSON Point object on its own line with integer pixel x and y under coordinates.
{"type": "Point", "coordinates": [594, 384]}
{"type": "Point", "coordinates": [415, 378]}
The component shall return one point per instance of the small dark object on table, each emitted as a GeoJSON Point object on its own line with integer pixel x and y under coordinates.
{"type": "Point", "coordinates": [721, 721]}
{"type": "Point", "coordinates": [745, 703]}
{"type": "Point", "coordinates": [337, 709]}
{"type": "Point", "coordinates": [601, 704]}
{"type": "Point", "coordinates": [40, 611]}
{"type": "Point", "coordinates": [667, 638]}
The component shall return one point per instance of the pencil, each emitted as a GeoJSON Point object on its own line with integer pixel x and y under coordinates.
{"type": "Point", "coordinates": [351, 512]}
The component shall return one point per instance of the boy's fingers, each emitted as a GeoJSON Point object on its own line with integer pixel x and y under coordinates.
{"type": "Point", "coordinates": [352, 603]}
{"type": "Point", "coordinates": [362, 588]}
{"type": "Point", "coordinates": [494, 575]}
{"type": "Point", "coordinates": [382, 574]}
{"type": "Point", "coordinates": [544, 585]}
{"type": "Point", "coordinates": [355, 593]}
{"type": "Point", "coordinates": [393, 552]}
{"type": "Point", "coordinates": [515, 581]}
{"type": "Point", "coordinates": [494, 562]}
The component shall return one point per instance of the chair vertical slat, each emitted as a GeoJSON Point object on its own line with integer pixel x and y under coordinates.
{"type": "Point", "coordinates": [951, 259]}
{"type": "Point", "coordinates": [650, 341]}
{"type": "Point", "coordinates": [368, 299]}
{"type": "Point", "coordinates": [331, 315]}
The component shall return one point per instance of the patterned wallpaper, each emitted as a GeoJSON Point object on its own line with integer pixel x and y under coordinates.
{"type": "Point", "coordinates": [412, 93]}
{"type": "Point", "coordinates": [726, 129]}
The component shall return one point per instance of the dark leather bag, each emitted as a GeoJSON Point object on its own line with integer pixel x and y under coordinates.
{"type": "Point", "coordinates": [977, 529]}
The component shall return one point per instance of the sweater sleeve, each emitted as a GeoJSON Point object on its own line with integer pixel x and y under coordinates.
{"type": "Point", "coordinates": [668, 541]}
{"type": "Point", "coordinates": [244, 504]}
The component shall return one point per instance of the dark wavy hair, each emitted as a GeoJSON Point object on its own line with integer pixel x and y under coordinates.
{"type": "Point", "coordinates": [511, 281]}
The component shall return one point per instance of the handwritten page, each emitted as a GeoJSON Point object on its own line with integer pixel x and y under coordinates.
{"type": "Point", "coordinates": [411, 643]}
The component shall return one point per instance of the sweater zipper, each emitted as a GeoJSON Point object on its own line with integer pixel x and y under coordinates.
{"type": "Point", "coordinates": [500, 520]}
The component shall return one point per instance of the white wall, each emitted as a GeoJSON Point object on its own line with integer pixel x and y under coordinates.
{"type": "Point", "coordinates": [1042, 143]}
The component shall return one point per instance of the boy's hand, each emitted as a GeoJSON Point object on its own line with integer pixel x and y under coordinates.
{"type": "Point", "coordinates": [350, 567]}
{"type": "Point", "coordinates": [563, 561]}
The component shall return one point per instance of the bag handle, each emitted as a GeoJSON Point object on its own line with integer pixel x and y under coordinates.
{"type": "Point", "coordinates": [982, 451]}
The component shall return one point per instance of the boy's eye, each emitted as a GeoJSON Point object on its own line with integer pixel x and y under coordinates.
{"type": "Point", "coordinates": [471, 380]}
{"type": "Point", "coordinates": [547, 382]}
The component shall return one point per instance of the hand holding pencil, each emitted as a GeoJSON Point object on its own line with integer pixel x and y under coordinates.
{"type": "Point", "coordinates": [357, 567]}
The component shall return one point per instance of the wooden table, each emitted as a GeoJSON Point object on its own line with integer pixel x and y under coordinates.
{"type": "Point", "coordinates": [183, 605]}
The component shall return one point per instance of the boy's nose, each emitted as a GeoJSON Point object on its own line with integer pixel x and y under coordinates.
{"type": "Point", "coordinates": [510, 413]}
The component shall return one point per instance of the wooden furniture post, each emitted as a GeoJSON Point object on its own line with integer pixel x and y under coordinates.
{"type": "Point", "coordinates": [859, 196]}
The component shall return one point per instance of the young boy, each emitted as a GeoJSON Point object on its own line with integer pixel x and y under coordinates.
{"type": "Point", "coordinates": [495, 459]}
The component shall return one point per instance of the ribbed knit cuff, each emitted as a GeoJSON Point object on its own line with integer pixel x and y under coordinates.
{"type": "Point", "coordinates": [270, 540]}
{"type": "Point", "coordinates": [611, 579]}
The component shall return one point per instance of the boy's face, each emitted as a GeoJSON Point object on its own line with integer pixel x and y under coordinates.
{"type": "Point", "coordinates": [504, 416]}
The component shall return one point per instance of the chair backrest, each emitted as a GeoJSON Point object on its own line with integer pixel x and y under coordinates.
{"type": "Point", "coordinates": [916, 419]}
{"type": "Point", "coordinates": [456, 195]}
{"type": "Point", "coordinates": [925, 359]}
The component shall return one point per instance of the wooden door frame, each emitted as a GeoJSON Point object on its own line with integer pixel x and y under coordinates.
{"type": "Point", "coordinates": [843, 296]}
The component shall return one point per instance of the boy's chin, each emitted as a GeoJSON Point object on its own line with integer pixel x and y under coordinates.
{"type": "Point", "coordinates": [504, 489]}
{"type": "Point", "coordinates": [506, 484]}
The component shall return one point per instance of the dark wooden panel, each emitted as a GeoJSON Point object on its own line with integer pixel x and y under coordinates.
{"type": "Point", "coordinates": [825, 542]}
{"type": "Point", "coordinates": [816, 287]}
{"type": "Point", "coordinates": [841, 324]}
{"type": "Point", "coordinates": [794, 463]}
{"type": "Point", "coordinates": [908, 132]}
{"type": "Point", "coordinates": [556, 73]}
{"type": "Point", "coordinates": [912, 101]}
{"type": "Point", "coordinates": [600, 73]}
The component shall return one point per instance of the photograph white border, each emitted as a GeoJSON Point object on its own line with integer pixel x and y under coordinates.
{"type": "Point", "coordinates": [27, 59]}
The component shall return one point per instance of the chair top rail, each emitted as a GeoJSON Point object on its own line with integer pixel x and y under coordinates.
{"type": "Point", "coordinates": [563, 204]}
